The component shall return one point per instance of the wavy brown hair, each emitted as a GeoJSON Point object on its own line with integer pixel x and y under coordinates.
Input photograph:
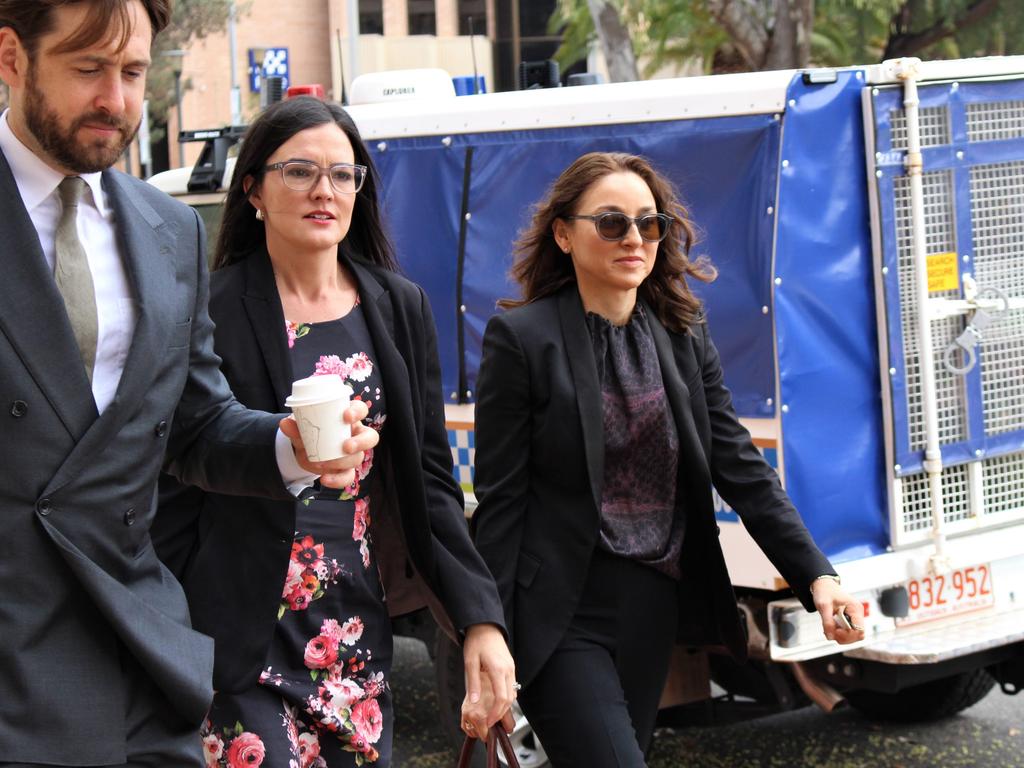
{"type": "Point", "coordinates": [33, 19]}
{"type": "Point", "coordinates": [542, 269]}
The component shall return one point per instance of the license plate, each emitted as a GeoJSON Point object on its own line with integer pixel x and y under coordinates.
{"type": "Point", "coordinates": [933, 597]}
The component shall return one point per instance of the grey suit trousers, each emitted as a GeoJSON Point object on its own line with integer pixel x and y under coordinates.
{"type": "Point", "coordinates": [157, 737]}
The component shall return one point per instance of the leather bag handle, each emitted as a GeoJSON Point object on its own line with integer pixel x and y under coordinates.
{"type": "Point", "coordinates": [496, 738]}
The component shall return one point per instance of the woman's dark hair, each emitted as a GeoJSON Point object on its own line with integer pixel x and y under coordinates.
{"type": "Point", "coordinates": [541, 268]}
{"type": "Point", "coordinates": [241, 234]}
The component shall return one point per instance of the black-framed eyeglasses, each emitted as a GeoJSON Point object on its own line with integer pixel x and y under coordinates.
{"type": "Point", "coordinates": [303, 175]}
{"type": "Point", "coordinates": [612, 225]}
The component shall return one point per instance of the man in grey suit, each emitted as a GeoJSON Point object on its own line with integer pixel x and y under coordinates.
{"type": "Point", "coordinates": [106, 368]}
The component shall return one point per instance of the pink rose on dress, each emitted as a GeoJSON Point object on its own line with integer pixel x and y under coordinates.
{"type": "Point", "coordinates": [331, 364]}
{"type": "Point", "coordinates": [294, 577]}
{"type": "Point", "coordinates": [321, 652]}
{"type": "Point", "coordinates": [359, 367]}
{"type": "Point", "coordinates": [213, 749]}
{"type": "Point", "coordinates": [364, 550]}
{"type": "Point", "coordinates": [368, 720]}
{"type": "Point", "coordinates": [330, 628]}
{"type": "Point", "coordinates": [309, 749]}
{"type": "Point", "coordinates": [246, 750]}
{"type": "Point", "coordinates": [366, 466]}
{"type": "Point", "coordinates": [340, 692]}
{"type": "Point", "coordinates": [352, 630]}
{"type": "Point", "coordinates": [351, 491]}
{"type": "Point", "coordinates": [361, 519]}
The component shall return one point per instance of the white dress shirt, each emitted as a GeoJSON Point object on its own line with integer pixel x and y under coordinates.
{"type": "Point", "coordinates": [115, 305]}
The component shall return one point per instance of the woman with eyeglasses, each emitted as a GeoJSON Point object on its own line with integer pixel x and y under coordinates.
{"type": "Point", "coordinates": [601, 425]}
{"type": "Point", "coordinates": [298, 595]}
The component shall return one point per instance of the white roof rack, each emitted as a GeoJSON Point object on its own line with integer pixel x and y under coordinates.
{"type": "Point", "coordinates": [674, 99]}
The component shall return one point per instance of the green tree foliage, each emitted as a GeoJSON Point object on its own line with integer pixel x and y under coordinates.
{"type": "Point", "coordinates": [860, 31]}
{"type": "Point", "coordinates": [730, 35]}
{"type": "Point", "coordinates": [669, 37]}
{"type": "Point", "coordinates": [192, 20]}
{"type": "Point", "coordinates": [664, 31]}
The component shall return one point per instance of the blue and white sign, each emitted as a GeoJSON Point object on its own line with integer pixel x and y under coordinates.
{"type": "Point", "coordinates": [267, 62]}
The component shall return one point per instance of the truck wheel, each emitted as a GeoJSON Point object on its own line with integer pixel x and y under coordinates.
{"type": "Point", "coordinates": [933, 700]}
{"type": "Point", "coordinates": [451, 690]}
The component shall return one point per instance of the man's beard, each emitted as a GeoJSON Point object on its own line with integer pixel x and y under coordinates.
{"type": "Point", "coordinates": [62, 145]}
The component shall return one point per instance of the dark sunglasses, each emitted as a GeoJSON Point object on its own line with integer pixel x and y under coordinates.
{"type": "Point", "coordinates": [612, 225]}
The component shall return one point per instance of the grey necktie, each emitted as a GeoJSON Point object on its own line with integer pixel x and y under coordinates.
{"type": "Point", "coordinates": [74, 280]}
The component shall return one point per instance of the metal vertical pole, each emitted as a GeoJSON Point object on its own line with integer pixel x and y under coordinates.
{"type": "Point", "coordinates": [353, 40]}
{"type": "Point", "coordinates": [236, 93]}
{"type": "Point", "coordinates": [181, 124]}
{"type": "Point", "coordinates": [516, 53]}
{"type": "Point", "coordinates": [907, 72]}
{"type": "Point", "coordinates": [145, 151]}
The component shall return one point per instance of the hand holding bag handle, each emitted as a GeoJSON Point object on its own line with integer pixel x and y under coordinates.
{"type": "Point", "coordinates": [495, 737]}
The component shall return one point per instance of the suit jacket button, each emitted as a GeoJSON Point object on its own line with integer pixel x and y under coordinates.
{"type": "Point", "coordinates": [44, 506]}
{"type": "Point", "coordinates": [129, 517]}
{"type": "Point", "coordinates": [718, 530]}
{"type": "Point", "coordinates": [19, 408]}
{"type": "Point", "coordinates": [161, 429]}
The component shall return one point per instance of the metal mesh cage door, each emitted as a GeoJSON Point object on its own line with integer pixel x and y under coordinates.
{"type": "Point", "coordinates": [972, 139]}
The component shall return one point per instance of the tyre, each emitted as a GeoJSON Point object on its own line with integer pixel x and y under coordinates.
{"type": "Point", "coordinates": [933, 700]}
{"type": "Point", "coordinates": [451, 690]}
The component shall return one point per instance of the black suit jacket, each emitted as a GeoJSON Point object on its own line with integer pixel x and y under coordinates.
{"type": "Point", "coordinates": [80, 583]}
{"type": "Point", "coordinates": [232, 554]}
{"type": "Point", "coordinates": [540, 468]}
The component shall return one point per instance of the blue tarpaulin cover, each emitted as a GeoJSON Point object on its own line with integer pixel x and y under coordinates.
{"type": "Point", "coordinates": [728, 170]}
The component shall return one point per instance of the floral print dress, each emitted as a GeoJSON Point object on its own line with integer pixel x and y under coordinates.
{"type": "Point", "coordinates": [323, 698]}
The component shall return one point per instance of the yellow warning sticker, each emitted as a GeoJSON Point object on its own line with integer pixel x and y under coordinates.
{"type": "Point", "coordinates": [943, 272]}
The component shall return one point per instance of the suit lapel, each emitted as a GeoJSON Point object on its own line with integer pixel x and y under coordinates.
{"type": "Point", "coordinates": [263, 306]}
{"type": "Point", "coordinates": [675, 356]}
{"type": "Point", "coordinates": [580, 351]}
{"type": "Point", "coordinates": [402, 454]}
{"type": "Point", "coordinates": [380, 320]}
{"type": "Point", "coordinates": [147, 248]}
{"type": "Point", "coordinates": [33, 318]}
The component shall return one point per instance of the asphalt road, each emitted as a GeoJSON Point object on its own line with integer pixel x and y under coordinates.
{"type": "Point", "coordinates": [988, 735]}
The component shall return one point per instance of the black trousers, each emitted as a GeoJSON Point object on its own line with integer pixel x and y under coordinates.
{"type": "Point", "coordinates": [595, 701]}
{"type": "Point", "coordinates": [156, 735]}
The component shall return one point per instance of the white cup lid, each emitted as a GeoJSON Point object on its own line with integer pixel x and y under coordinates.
{"type": "Point", "coordinates": [318, 389]}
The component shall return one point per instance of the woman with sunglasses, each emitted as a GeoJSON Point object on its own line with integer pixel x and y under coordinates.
{"type": "Point", "coordinates": [601, 425]}
{"type": "Point", "coordinates": [305, 283]}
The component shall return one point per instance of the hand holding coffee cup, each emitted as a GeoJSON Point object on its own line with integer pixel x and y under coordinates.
{"type": "Point", "coordinates": [318, 404]}
{"type": "Point", "coordinates": [326, 431]}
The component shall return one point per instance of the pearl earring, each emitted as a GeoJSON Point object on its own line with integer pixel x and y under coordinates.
{"type": "Point", "coordinates": [259, 214]}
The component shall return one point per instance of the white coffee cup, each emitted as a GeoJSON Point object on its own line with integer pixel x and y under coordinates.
{"type": "Point", "coordinates": [317, 404]}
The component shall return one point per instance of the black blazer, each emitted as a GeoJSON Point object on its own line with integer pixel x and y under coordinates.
{"type": "Point", "coordinates": [232, 553]}
{"type": "Point", "coordinates": [540, 468]}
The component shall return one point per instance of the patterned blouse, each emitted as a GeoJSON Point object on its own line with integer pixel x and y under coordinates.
{"type": "Point", "coordinates": [639, 515]}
